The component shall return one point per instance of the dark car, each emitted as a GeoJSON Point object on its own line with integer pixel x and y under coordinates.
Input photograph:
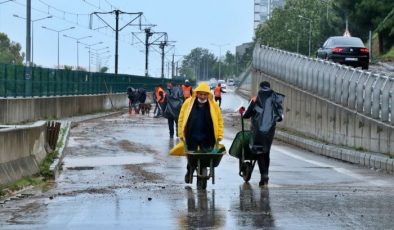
{"type": "Point", "coordinates": [345, 50]}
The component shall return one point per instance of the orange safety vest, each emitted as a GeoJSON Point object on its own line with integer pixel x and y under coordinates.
{"type": "Point", "coordinates": [217, 91]}
{"type": "Point", "coordinates": [186, 91]}
{"type": "Point", "coordinates": [254, 98]}
{"type": "Point", "coordinates": [159, 89]}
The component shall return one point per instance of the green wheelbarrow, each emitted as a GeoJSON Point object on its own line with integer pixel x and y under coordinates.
{"type": "Point", "coordinates": [204, 163]}
{"type": "Point", "coordinates": [240, 149]}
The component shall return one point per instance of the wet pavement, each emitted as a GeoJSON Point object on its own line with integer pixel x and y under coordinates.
{"type": "Point", "coordinates": [117, 174]}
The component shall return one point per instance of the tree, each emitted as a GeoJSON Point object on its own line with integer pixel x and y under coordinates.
{"type": "Point", "coordinates": [229, 65]}
{"type": "Point", "coordinates": [198, 65]}
{"type": "Point", "coordinates": [104, 69]}
{"type": "Point", "coordinates": [10, 51]}
{"type": "Point", "coordinates": [68, 67]}
{"type": "Point", "coordinates": [366, 15]}
{"type": "Point", "coordinates": [244, 60]}
{"type": "Point", "coordinates": [275, 32]}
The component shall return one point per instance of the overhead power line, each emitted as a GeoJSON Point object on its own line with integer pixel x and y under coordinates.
{"type": "Point", "coordinates": [116, 29]}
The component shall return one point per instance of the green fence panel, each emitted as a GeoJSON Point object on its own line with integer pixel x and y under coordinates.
{"type": "Point", "coordinates": [54, 82]}
{"type": "Point", "coordinates": [19, 76]}
{"type": "Point", "coordinates": [3, 82]}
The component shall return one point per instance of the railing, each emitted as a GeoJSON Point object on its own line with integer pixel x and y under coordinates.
{"type": "Point", "coordinates": [22, 81]}
{"type": "Point", "coordinates": [371, 94]}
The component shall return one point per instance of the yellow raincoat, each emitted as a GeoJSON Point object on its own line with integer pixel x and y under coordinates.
{"type": "Point", "coordinates": [216, 115]}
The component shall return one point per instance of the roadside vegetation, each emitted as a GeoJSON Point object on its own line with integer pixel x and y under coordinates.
{"type": "Point", "coordinates": [36, 180]}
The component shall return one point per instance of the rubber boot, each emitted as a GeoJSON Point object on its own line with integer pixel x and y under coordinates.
{"type": "Point", "coordinates": [264, 180]}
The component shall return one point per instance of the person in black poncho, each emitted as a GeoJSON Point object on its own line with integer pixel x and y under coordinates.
{"type": "Point", "coordinates": [265, 110]}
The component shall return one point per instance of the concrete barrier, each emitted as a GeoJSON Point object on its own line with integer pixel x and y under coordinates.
{"type": "Point", "coordinates": [20, 110]}
{"type": "Point", "coordinates": [22, 148]}
{"type": "Point", "coordinates": [321, 119]}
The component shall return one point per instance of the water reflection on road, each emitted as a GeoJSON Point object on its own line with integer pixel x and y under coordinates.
{"type": "Point", "coordinates": [254, 207]}
{"type": "Point", "coordinates": [201, 210]}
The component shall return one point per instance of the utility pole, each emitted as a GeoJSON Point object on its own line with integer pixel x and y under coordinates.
{"type": "Point", "coordinates": [173, 66]}
{"type": "Point", "coordinates": [89, 46]}
{"type": "Point", "coordinates": [28, 31]}
{"type": "Point", "coordinates": [162, 46]}
{"type": "Point", "coordinates": [148, 34]}
{"type": "Point", "coordinates": [116, 29]}
{"type": "Point", "coordinates": [28, 72]}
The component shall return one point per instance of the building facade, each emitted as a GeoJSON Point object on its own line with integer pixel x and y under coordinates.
{"type": "Point", "coordinates": [263, 10]}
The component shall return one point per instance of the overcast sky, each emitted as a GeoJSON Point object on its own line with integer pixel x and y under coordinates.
{"type": "Point", "coordinates": [208, 24]}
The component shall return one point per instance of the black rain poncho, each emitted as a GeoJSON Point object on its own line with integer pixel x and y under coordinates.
{"type": "Point", "coordinates": [174, 101]}
{"type": "Point", "coordinates": [265, 111]}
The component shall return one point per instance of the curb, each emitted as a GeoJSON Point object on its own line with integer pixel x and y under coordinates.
{"type": "Point", "coordinates": [62, 142]}
{"type": "Point", "coordinates": [67, 125]}
{"type": "Point", "coordinates": [366, 159]}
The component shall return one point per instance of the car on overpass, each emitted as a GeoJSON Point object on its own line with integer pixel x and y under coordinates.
{"type": "Point", "coordinates": [345, 50]}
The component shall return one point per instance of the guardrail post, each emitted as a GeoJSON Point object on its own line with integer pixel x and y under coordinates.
{"type": "Point", "coordinates": [377, 96]}
{"type": "Point", "coordinates": [368, 94]}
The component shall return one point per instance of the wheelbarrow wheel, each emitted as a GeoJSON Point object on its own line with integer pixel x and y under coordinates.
{"type": "Point", "coordinates": [247, 169]}
{"type": "Point", "coordinates": [202, 181]}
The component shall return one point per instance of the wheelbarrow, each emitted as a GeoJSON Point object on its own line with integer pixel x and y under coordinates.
{"type": "Point", "coordinates": [204, 163]}
{"type": "Point", "coordinates": [240, 149]}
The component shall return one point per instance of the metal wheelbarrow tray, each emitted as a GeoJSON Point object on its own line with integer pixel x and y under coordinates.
{"type": "Point", "coordinates": [247, 158]}
{"type": "Point", "coordinates": [200, 162]}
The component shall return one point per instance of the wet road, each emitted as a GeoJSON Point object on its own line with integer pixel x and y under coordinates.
{"type": "Point", "coordinates": [117, 175]}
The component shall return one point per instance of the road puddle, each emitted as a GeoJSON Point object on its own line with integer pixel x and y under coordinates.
{"type": "Point", "coordinates": [91, 161]}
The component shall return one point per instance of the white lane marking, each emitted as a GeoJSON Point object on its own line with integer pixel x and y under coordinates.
{"type": "Point", "coordinates": [337, 169]}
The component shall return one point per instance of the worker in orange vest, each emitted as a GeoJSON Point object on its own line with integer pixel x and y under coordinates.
{"type": "Point", "coordinates": [187, 90]}
{"type": "Point", "coordinates": [217, 92]}
{"type": "Point", "coordinates": [160, 96]}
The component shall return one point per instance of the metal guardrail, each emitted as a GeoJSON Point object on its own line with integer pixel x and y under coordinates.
{"type": "Point", "coordinates": [22, 81]}
{"type": "Point", "coordinates": [371, 94]}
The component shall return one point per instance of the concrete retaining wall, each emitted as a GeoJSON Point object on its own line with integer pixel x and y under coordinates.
{"type": "Point", "coordinates": [318, 118]}
{"type": "Point", "coordinates": [19, 110]}
{"type": "Point", "coordinates": [21, 150]}
{"type": "Point", "coordinates": [22, 147]}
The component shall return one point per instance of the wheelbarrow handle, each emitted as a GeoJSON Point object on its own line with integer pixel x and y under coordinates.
{"type": "Point", "coordinates": [241, 110]}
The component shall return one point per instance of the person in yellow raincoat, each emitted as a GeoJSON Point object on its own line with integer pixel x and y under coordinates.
{"type": "Point", "coordinates": [200, 122]}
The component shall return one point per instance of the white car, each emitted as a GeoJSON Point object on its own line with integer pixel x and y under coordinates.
{"type": "Point", "coordinates": [212, 83]}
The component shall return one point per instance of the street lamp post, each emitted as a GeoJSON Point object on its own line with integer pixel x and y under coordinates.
{"type": "Point", "coordinates": [78, 41]}
{"type": "Point", "coordinates": [310, 31]}
{"type": "Point", "coordinates": [32, 32]}
{"type": "Point", "coordinates": [220, 53]}
{"type": "Point", "coordinates": [298, 38]}
{"type": "Point", "coordinates": [58, 39]}
{"type": "Point", "coordinates": [88, 46]}
{"type": "Point", "coordinates": [98, 54]}
{"type": "Point", "coordinates": [327, 2]}
{"type": "Point", "coordinates": [98, 59]}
